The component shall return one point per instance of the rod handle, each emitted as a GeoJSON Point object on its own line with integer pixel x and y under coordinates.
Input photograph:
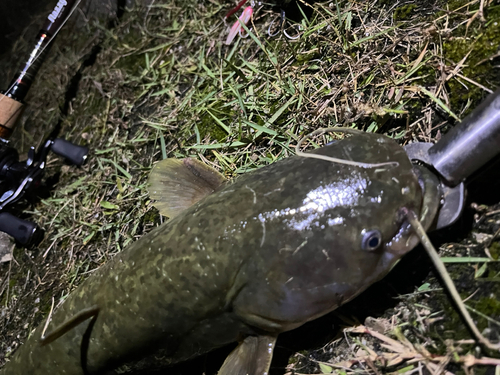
{"type": "Point", "coordinates": [10, 110]}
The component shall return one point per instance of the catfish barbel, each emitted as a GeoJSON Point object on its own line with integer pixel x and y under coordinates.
{"type": "Point", "coordinates": [239, 261]}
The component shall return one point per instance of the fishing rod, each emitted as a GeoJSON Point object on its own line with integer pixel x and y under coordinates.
{"type": "Point", "coordinates": [19, 178]}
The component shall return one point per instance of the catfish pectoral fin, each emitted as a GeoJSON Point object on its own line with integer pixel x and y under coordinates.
{"type": "Point", "coordinates": [69, 324]}
{"type": "Point", "coordinates": [176, 184]}
{"type": "Point", "coordinates": [251, 357]}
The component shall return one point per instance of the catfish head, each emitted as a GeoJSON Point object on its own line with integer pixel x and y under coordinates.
{"type": "Point", "coordinates": [337, 229]}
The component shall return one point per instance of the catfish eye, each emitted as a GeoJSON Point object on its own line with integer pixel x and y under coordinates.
{"type": "Point", "coordinates": [372, 239]}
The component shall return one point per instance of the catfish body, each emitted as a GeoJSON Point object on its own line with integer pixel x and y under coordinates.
{"type": "Point", "coordinates": [262, 255]}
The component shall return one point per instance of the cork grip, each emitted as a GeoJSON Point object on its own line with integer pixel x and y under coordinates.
{"type": "Point", "coordinates": [10, 110]}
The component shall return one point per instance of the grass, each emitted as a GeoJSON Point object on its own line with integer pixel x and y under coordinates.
{"type": "Point", "coordinates": [163, 84]}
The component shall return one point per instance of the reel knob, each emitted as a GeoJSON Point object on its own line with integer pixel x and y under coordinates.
{"type": "Point", "coordinates": [25, 232]}
{"type": "Point", "coordinates": [73, 153]}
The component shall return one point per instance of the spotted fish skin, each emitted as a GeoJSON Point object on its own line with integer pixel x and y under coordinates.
{"type": "Point", "coordinates": [274, 249]}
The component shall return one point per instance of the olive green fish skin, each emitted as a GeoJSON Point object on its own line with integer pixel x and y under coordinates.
{"type": "Point", "coordinates": [274, 249]}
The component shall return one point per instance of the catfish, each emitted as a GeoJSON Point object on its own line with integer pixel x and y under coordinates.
{"type": "Point", "coordinates": [239, 261]}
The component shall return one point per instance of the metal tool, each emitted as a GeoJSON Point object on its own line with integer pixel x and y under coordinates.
{"type": "Point", "coordinates": [460, 153]}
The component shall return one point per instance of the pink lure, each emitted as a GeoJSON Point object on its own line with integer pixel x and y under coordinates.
{"type": "Point", "coordinates": [244, 18]}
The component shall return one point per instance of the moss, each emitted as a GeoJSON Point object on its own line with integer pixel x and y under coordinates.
{"type": "Point", "coordinates": [132, 64]}
{"type": "Point", "coordinates": [305, 57]}
{"type": "Point", "coordinates": [403, 12]}
{"type": "Point", "coordinates": [293, 360]}
{"type": "Point", "coordinates": [452, 327]}
{"type": "Point", "coordinates": [451, 5]}
{"type": "Point", "coordinates": [208, 126]}
{"type": "Point", "coordinates": [427, 74]}
{"type": "Point", "coordinates": [495, 249]}
{"type": "Point", "coordinates": [151, 216]}
{"type": "Point", "coordinates": [296, 359]}
{"type": "Point", "coordinates": [455, 4]}
{"type": "Point", "coordinates": [486, 303]}
{"type": "Point", "coordinates": [488, 306]}
{"type": "Point", "coordinates": [480, 45]}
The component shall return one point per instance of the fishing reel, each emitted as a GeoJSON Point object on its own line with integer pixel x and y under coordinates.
{"type": "Point", "coordinates": [20, 178]}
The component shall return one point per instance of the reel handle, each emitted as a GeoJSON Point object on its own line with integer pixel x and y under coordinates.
{"type": "Point", "coordinates": [73, 153]}
{"type": "Point", "coordinates": [25, 232]}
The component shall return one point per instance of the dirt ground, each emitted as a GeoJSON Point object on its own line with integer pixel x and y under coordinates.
{"type": "Point", "coordinates": [156, 80]}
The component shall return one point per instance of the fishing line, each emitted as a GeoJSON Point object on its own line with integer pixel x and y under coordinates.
{"type": "Point", "coordinates": [298, 152]}
{"type": "Point", "coordinates": [440, 267]}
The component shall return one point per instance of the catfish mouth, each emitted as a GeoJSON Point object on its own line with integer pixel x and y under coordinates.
{"type": "Point", "coordinates": [406, 238]}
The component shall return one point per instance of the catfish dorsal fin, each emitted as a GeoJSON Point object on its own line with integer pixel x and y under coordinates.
{"type": "Point", "coordinates": [176, 184]}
